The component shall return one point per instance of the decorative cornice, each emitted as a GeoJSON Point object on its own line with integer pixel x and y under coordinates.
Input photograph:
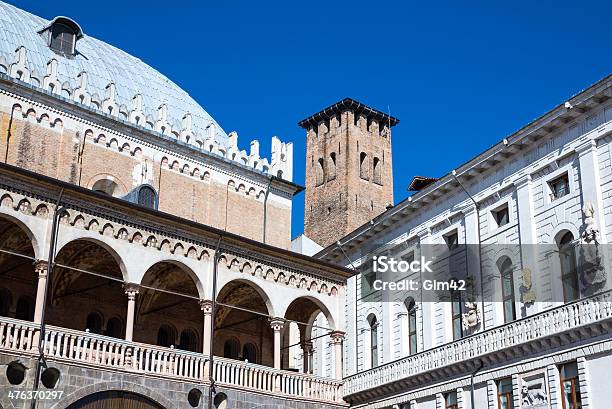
{"type": "Point", "coordinates": [115, 210]}
{"type": "Point", "coordinates": [139, 134]}
{"type": "Point", "coordinates": [532, 133]}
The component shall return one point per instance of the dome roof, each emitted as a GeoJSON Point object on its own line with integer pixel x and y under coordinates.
{"type": "Point", "coordinates": [113, 79]}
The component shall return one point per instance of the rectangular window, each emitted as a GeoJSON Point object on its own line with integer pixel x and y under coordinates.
{"type": "Point", "coordinates": [457, 312]}
{"type": "Point", "coordinates": [504, 394]}
{"type": "Point", "coordinates": [501, 216]}
{"type": "Point", "coordinates": [559, 187]}
{"type": "Point", "coordinates": [450, 401]}
{"type": "Point", "coordinates": [570, 387]}
{"type": "Point", "coordinates": [452, 240]}
{"type": "Point", "coordinates": [412, 331]}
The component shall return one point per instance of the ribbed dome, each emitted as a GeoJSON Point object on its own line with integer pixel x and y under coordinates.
{"type": "Point", "coordinates": [104, 65]}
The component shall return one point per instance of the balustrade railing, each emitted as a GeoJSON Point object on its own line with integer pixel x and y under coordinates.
{"type": "Point", "coordinates": [71, 346]}
{"type": "Point", "coordinates": [263, 378]}
{"type": "Point", "coordinates": [580, 313]}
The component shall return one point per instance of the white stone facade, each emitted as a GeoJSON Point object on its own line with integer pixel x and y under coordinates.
{"type": "Point", "coordinates": [574, 140]}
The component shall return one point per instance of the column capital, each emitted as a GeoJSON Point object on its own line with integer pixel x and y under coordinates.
{"type": "Point", "coordinates": [131, 290]}
{"type": "Point", "coordinates": [468, 210]}
{"type": "Point", "coordinates": [588, 146]}
{"type": "Point", "coordinates": [277, 324]}
{"type": "Point", "coordinates": [206, 306]}
{"type": "Point", "coordinates": [41, 268]}
{"type": "Point", "coordinates": [337, 337]}
{"type": "Point", "coordinates": [424, 233]}
{"type": "Point", "coordinates": [523, 180]}
{"type": "Point", "coordinates": [307, 346]}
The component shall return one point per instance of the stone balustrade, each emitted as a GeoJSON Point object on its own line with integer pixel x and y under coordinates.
{"type": "Point", "coordinates": [77, 347]}
{"type": "Point", "coordinates": [263, 378]}
{"type": "Point", "coordinates": [587, 311]}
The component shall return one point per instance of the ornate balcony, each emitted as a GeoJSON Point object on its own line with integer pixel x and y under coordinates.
{"type": "Point", "coordinates": [586, 317]}
{"type": "Point", "coordinates": [85, 349]}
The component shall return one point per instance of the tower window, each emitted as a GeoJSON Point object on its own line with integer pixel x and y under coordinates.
{"type": "Point", "coordinates": [320, 172]}
{"type": "Point", "coordinates": [332, 166]}
{"type": "Point", "coordinates": [377, 174]}
{"type": "Point", "coordinates": [363, 166]}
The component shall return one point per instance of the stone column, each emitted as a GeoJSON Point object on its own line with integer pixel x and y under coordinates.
{"type": "Point", "coordinates": [337, 337]}
{"type": "Point", "coordinates": [529, 249]}
{"type": "Point", "coordinates": [474, 270]}
{"type": "Point", "coordinates": [207, 306]}
{"type": "Point", "coordinates": [307, 356]}
{"type": "Point", "coordinates": [590, 184]}
{"type": "Point", "coordinates": [427, 314]}
{"type": "Point", "coordinates": [461, 403]}
{"type": "Point", "coordinates": [584, 381]}
{"type": "Point", "coordinates": [130, 290]}
{"type": "Point", "coordinates": [40, 268]}
{"type": "Point", "coordinates": [277, 325]}
{"type": "Point", "coordinates": [554, 391]}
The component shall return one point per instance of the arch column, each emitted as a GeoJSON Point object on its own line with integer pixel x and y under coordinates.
{"type": "Point", "coordinates": [41, 268]}
{"type": "Point", "coordinates": [207, 306]}
{"type": "Point", "coordinates": [307, 349]}
{"type": "Point", "coordinates": [131, 290]}
{"type": "Point", "coordinates": [337, 337]}
{"type": "Point", "coordinates": [277, 325]}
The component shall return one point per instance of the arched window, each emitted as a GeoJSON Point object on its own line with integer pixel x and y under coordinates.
{"type": "Point", "coordinates": [377, 174]}
{"type": "Point", "coordinates": [113, 328]}
{"type": "Point", "coordinates": [569, 271]}
{"type": "Point", "coordinates": [320, 172]}
{"type": "Point", "coordinates": [331, 174]}
{"type": "Point", "coordinates": [507, 285]}
{"type": "Point", "coordinates": [6, 300]}
{"type": "Point", "coordinates": [373, 322]}
{"type": "Point", "coordinates": [456, 311]}
{"type": "Point", "coordinates": [188, 341]}
{"type": "Point", "coordinates": [106, 186]}
{"type": "Point", "coordinates": [166, 336]}
{"type": "Point", "coordinates": [147, 197]}
{"type": "Point", "coordinates": [231, 348]}
{"type": "Point", "coordinates": [94, 323]}
{"type": "Point", "coordinates": [411, 325]}
{"type": "Point", "coordinates": [63, 38]}
{"type": "Point", "coordinates": [363, 166]}
{"type": "Point", "coordinates": [249, 353]}
{"type": "Point", "coordinates": [25, 309]}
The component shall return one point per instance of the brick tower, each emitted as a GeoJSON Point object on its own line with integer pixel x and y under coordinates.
{"type": "Point", "coordinates": [349, 178]}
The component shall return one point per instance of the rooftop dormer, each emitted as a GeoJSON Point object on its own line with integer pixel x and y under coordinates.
{"type": "Point", "coordinates": [62, 34]}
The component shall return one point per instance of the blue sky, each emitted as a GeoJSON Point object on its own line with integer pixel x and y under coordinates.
{"type": "Point", "coordinates": [459, 75]}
